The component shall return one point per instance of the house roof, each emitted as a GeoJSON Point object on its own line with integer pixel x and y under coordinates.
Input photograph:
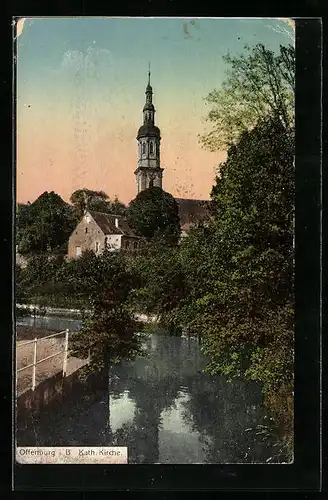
{"type": "Point", "coordinates": [191, 211]}
{"type": "Point", "coordinates": [106, 222]}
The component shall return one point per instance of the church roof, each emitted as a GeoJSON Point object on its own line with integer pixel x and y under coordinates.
{"type": "Point", "coordinates": [148, 130]}
{"type": "Point", "coordinates": [191, 211]}
{"type": "Point", "coordinates": [106, 222]}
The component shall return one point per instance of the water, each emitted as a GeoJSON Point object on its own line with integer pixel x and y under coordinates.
{"type": "Point", "coordinates": [50, 322]}
{"type": "Point", "coordinates": [163, 408]}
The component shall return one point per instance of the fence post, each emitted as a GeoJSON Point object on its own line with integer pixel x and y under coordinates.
{"type": "Point", "coordinates": [65, 353]}
{"type": "Point", "coordinates": [34, 364]}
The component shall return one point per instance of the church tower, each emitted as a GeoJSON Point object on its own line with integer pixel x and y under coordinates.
{"type": "Point", "coordinates": [149, 173]}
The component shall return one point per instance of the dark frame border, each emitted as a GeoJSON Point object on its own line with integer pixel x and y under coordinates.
{"type": "Point", "coordinates": [303, 474]}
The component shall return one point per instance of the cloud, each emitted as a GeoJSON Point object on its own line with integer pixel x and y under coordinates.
{"type": "Point", "coordinates": [93, 59]}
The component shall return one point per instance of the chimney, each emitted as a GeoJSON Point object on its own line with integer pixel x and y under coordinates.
{"type": "Point", "coordinates": [116, 222]}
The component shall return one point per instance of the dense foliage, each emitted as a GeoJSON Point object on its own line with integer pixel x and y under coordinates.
{"type": "Point", "coordinates": [86, 199]}
{"type": "Point", "coordinates": [103, 284]}
{"type": "Point", "coordinates": [44, 225]}
{"type": "Point", "coordinates": [155, 214]}
{"type": "Point", "coordinates": [161, 282]}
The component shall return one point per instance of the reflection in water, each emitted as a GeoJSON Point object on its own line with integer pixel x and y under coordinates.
{"type": "Point", "coordinates": [165, 410]}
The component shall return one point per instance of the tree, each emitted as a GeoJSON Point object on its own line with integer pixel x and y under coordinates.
{"type": "Point", "coordinates": [103, 285]}
{"type": "Point", "coordinates": [259, 84]}
{"type": "Point", "coordinates": [155, 214]}
{"type": "Point", "coordinates": [161, 282]}
{"type": "Point", "coordinates": [117, 207]}
{"type": "Point", "coordinates": [86, 199]}
{"type": "Point", "coordinates": [44, 225]}
{"type": "Point", "coordinates": [242, 301]}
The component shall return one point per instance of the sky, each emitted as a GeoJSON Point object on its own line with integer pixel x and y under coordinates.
{"type": "Point", "coordinates": [80, 90]}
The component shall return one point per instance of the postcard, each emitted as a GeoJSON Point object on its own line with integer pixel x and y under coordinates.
{"type": "Point", "coordinates": [155, 186]}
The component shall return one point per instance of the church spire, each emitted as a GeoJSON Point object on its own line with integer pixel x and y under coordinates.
{"type": "Point", "coordinates": [149, 90]}
{"type": "Point", "coordinates": [149, 109]}
{"type": "Point", "coordinates": [149, 173]}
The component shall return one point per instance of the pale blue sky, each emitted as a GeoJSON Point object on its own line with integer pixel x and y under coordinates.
{"type": "Point", "coordinates": [89, 75]}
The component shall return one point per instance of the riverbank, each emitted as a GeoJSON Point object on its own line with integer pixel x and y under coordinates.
{"type": "Point", "coordinates": [39, 311]}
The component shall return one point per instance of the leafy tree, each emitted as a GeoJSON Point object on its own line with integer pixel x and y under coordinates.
{"type": "Point", "coordinates": [117, 207]}
{"type": "Point", "coordinates": [83, 199]}
{"type": "Point", "coordinates": [44, 225]}
{"type": "Point", "coordinates": [241, 280]}
{"type": "Point", "coordinates": [108, 332]}
{"type": "Point", "coordinates": [37, 283]}
{"type": "Point", "coordinates": [161, 281]}
{"type": "Point", "coordinates": [155, 214]}
{"type": "Point", "coordinates": [22, 219]}
{"type": "Point", "coordinates": [259, 84]}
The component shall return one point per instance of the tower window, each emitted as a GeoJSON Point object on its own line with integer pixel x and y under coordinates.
{"type": "Point", "coordinates": [143, 148]}
{"type": "Point", "coordinates": [151, 148]}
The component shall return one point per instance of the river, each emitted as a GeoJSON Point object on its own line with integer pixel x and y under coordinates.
{"type": "Point", "coordinates": [163, 407]}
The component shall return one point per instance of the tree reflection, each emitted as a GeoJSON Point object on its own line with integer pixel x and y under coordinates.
{"type": "Point", "coordinates": [217, 412]}
{"type": "Point", "coordinates": [151, 398]}
{"type": "Point", "coordinates": [221, 414]}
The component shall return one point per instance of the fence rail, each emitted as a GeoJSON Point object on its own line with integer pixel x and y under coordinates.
{"type": "Point", "coordinates": [37, 362]}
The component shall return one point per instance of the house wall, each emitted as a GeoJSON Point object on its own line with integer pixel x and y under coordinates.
{"type": "Point", "coordinates": [114, 241]}
{"type": "Point", "coordinates": [130, 243]}
{"type": "Point", "coordinates": [85, 240]}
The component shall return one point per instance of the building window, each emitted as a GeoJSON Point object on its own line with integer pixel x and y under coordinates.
{"type": "Point", "coordinates": [97, 246]}
{"type": "Point", "coordinates": [86, 230]}
{"type": "Point", "coordinates": [78, 251]}
{"type": "Point", "coordinates": [151, 183]}
{"type": "Point", "coordinates": [151, 148]}
{"type": "Point", "coordinates": [106, 242]}
{"type": "Point", "coordinates": [143, 148]}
